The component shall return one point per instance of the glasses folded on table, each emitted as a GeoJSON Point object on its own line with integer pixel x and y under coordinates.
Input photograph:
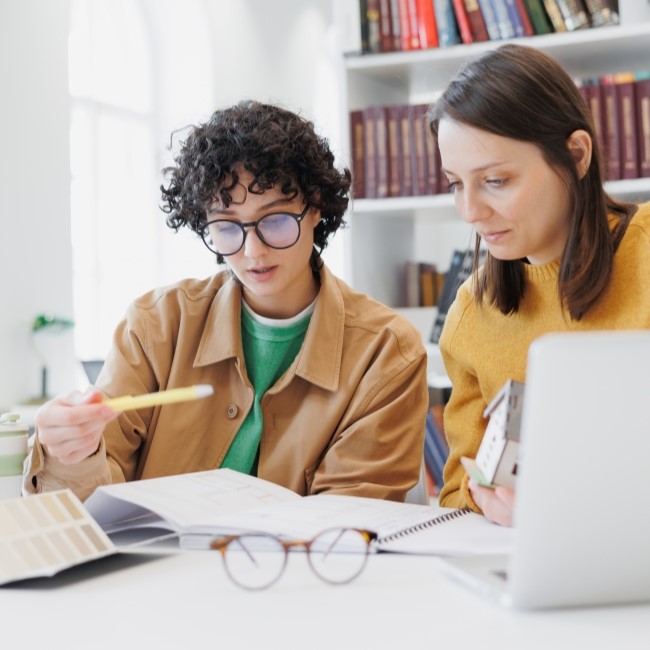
{"type": "Point", "coordinates": [256, 560]}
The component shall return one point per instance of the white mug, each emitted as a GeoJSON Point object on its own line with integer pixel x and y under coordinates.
{"type": "Point", "coordinates": [13, 451]}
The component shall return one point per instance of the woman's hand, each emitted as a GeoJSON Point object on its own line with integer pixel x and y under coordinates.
{"type": "Point", "coordinates": [70, 427]}
{"type": "Point", "coordinates": [497, 504]}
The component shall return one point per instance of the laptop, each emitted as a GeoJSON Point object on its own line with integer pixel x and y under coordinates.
{"type": "Point", "coordinates": [582, 513]}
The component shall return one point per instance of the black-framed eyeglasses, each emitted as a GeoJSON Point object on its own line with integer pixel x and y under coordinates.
{"type": "Point", "coordinates": [276, 230]}
{"type": "Point", "coordinates": [257, 560]}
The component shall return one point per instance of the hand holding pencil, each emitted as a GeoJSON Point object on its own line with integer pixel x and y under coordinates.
{"type": "Point", "coordinates": [70, 427]}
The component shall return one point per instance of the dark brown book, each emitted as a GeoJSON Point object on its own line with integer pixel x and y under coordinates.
{"type": "Point", "coordinates": [412, 284]}
{"type": "Point", "coordinates": [383, 160]}
{"type": "Point", "coordinates": [418, 149]}
{"type": "Point", "coordinates": [643, 122]}
{"type": "Point", "coordinates": [612, 133]}
{"type": "Point", "coordinates": [476, 21]}
{"type": "Point", "coordinates": [625, 95]}
{"type": "Point", "coordinates": [406, 180]}
{"type": "Point", "coordinates": [357, 155]}
{"type": "Point", "coordinates": [395, 154]}
{"type": "Point", "coordinates": [432, 182]}
{"type": "Point", "coordinates": [386, 38]}
{"type": "Point", "coordinates": [596, 104]}
{"type": "Point", "coordinates": [428, 284]}
{"type": "Point", "coordinates": [370, 151]}
{"type": "Point", "coordinates": [374, 27]}
{"type": "Point", "coordinates": [363, 21]}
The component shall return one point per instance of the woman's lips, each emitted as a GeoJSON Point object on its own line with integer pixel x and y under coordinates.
{"type": "Point", "coordinates": [262, 273]}
{"type": "Point", "coordinates": [492, 237]}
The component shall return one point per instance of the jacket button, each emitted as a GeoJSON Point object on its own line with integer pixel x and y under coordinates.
{"type": "Point", "coordinates": [232, 411]}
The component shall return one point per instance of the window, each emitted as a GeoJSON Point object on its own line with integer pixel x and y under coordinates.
{"type": "Point", "coordinates": [114, 209]}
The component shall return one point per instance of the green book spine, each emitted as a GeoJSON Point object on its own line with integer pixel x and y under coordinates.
{"type": "Point", "coordinates": [537, 15]}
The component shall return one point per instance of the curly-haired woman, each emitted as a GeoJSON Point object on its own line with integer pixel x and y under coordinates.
{"type": "Point", "coordinates": [316, 387]}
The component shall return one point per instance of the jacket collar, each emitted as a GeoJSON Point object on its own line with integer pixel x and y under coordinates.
{"type": "Point", "coordinates": [319, 359]}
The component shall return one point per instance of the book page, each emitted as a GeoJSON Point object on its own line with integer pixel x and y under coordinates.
{"type": "Point", "coordinates": [310, 515]}
{"type": "Point", "coordinates": [469, 534]}
{"type": "Point", "coordinates": [305, 518]}
{"type": "Point", "coordinates": [179, 501]}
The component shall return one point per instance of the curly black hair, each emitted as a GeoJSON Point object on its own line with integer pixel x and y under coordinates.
{"type": "Point", "coordinates": [278, 148]}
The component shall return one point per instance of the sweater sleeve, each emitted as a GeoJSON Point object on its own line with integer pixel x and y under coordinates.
{"type": "Point", "coordinates": [463, 417]}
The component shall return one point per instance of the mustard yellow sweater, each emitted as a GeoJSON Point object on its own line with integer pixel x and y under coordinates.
{"type": "Point", "coordinates": [482, 347]}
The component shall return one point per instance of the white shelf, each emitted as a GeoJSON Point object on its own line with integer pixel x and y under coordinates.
{"type": "Point", "coordinates": [386, 233]}
{"type": "Point", "coordinates": [635, 189]}
{"type": "Point", "coordinates": [585, 52]}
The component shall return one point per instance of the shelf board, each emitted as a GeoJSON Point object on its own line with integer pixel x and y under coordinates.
{"type": "Point", "coordinates": [585, 52]}
{"type": "Point", "coordinates": [635, 189]}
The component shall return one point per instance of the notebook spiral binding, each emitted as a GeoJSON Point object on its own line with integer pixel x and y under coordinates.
{"type": "Point", "coordinates": [440, 519]}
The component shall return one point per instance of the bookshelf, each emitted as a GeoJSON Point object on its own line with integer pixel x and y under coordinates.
{"type": "Point", "coordinates": [386, 233]}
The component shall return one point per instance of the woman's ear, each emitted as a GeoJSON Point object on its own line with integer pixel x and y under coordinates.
{"type": "Point", "coordinates": [581, 148]}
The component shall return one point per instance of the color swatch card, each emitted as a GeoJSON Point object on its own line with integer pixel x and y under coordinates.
{"type": "Point", "coordinates": [43, 534]}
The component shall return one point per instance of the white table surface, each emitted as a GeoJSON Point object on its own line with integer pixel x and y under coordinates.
{"type": "Point", "coordinates": [185, 600]}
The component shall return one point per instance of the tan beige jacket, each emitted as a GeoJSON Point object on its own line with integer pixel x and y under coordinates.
{"type": "Point", "coordinates": [347, 416]}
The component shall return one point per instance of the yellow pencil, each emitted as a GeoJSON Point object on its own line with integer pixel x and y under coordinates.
{"type": "Point", "coordinates": [131, 402]}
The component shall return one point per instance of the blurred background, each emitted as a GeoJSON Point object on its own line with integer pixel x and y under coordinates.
{"type": "Point", "coordinates": [91, 93]}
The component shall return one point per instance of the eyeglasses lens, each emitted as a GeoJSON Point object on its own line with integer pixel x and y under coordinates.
{"type": "Point", "coordinates": [276, 230]}
{"type": "Point", "coordinates": [338, 556]}
{"type": "Point", "coordinates": [255, 561]}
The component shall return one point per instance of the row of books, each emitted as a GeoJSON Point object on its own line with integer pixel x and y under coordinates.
{"type": "Point", "coordinates": [620, 108]}
{"type": "Point", "coordinates": [393, 153]}
{"type": "Point", "coordinates": [398, 25]}
{"type": "Point", "coordinates": [423, 284]}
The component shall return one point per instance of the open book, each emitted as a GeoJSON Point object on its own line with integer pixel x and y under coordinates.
{"type": "Point", "coordinates": [202, 505]}
{"type": "Point", "coordinates": [43, 534]}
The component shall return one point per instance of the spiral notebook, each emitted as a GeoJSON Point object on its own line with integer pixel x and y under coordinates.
{"type": "Point", "coordinates": [582, 532]}
{"type": "Point", "coordinates": [201, 505]}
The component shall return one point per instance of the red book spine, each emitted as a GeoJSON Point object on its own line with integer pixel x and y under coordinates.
{"type": "Point", "coordinates": [404, 26]}
{"type": "Point", "coordinates": [462, 21]}
{"type": "Point", "coordinates": [427, 28]}
{"type": "Point", "coordinates": [476, 22]}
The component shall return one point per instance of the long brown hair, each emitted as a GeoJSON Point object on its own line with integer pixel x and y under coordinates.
{"type": "Point", "coordinates": [521, 93]}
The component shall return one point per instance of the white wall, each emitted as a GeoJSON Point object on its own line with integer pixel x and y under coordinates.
{"type": "Point", "coordinates": [272, 51]}
{"type": "Point", "coordinates": [35, 258]}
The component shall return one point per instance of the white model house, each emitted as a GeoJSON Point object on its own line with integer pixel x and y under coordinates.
{"type": "Point", "coordinates": [497, 455]}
